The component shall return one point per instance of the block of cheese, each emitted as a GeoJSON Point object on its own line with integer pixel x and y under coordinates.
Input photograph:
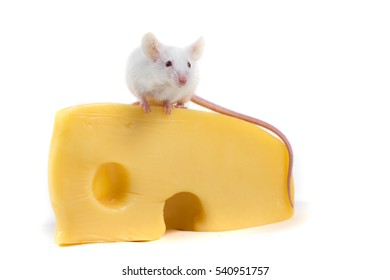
{"type": "Point", "coordinates": [117, 174]}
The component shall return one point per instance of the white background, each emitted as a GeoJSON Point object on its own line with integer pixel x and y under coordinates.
{"type": "Point", "coordinates": [318, 70]}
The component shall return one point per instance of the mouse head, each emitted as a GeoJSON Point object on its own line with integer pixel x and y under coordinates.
{"type": "Point", "coordinates": [178, 65]}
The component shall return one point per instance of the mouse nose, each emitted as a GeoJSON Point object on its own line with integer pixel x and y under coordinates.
{"type": "Point", "coordinates": [182, 80]}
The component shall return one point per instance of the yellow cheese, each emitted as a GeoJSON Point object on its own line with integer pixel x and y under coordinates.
{"type": "Point", "coordinates": [117, 174]}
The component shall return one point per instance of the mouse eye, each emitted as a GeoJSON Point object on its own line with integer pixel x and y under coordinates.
{"type": "Point", "coordinates": [168, 63]}
{"type": "Point", "coordinates": [189, 65]}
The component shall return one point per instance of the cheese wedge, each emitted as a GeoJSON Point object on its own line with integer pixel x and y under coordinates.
{"type": "Point", "coordinates": [117, 174]}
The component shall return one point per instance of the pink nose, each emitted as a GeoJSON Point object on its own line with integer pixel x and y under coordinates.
{"type": "Point", "coordinates": [182, 80]}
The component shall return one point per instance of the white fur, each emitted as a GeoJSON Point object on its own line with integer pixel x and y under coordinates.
{"type": "Point", "coordinates": [148, 77]}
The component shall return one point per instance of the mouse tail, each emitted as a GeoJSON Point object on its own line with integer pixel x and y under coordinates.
{"type": "Point", "coordinates": [216, 108]}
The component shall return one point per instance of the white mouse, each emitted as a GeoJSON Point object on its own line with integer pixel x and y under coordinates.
{"type": "Point", "coordinates": [158, 74]}
{"type": "Point", "coordinates": [163, 75]}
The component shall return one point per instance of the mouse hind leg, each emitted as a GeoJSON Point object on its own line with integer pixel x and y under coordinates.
{"type": "Point", "coordinates": [180, 105]}
{"type": "Point", "coordinates": [181, 102]}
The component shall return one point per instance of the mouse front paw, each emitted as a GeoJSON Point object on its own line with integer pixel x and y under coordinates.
{"type": "Point", "coordinates": [167, 108]}
{"type": "Point", "coordinates": [145, 107]}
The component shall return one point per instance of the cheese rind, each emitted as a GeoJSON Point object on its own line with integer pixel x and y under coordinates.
{"type": "Point", "coordinates": [115, 172]}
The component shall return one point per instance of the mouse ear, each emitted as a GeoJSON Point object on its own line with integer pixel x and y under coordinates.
{"type": "Point", "coordinates": [196, 49]}
{"type": "Point", "coordinates": [151, 46]}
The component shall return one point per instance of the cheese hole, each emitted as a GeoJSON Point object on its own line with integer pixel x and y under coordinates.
{"type": "Point", "coordinates": [181, 211]}
{"type": "Point", "coordinates": [111, 185]}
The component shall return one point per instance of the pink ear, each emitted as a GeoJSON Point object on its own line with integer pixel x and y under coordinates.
{"type": "Point", "coordinates": [151, 46]}
{"type": "Point", "coordinates": [196, 49]}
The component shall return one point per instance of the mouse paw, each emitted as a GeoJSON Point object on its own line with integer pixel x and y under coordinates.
{"type": "Point", "coordinates": [180, 105]}
{"type": "Point", "coordinates": [145, 107]}
{"type": "Point", "coordinates": [167, 107]}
